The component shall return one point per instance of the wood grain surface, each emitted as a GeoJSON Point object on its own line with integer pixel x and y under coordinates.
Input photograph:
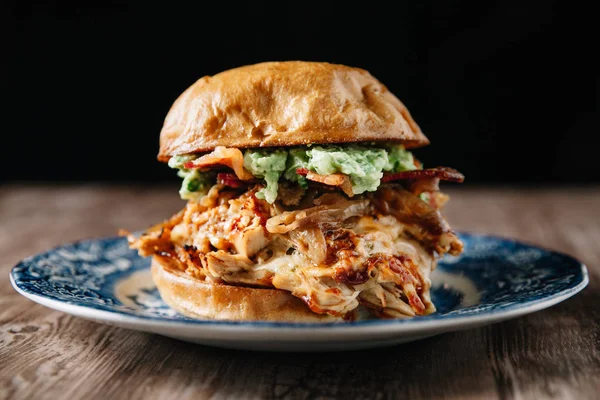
{"type": "Point", "coordinates": [46, 354]}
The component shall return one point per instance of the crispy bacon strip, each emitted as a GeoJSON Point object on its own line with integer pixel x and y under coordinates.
{"type": "Point", "coordinates": [231, 180]}
{"type": "Point", "coordinates": [339, 180]}
{"type": "Point", "coordinates": [229, 157]}
{"type": "Point", "coordinates": [443, 173]}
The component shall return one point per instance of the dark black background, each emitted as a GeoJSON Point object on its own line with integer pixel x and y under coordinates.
{"type": "Point", "coordinates": [506, 92]}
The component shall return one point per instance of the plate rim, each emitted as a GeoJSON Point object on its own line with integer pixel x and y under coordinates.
{"type": "Point", "coordinates": [258, 327]}
{"type": "Point", "coordinates": [438, 323]}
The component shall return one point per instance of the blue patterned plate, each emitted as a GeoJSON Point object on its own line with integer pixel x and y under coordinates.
{"type": "Point", "coordinates": [493, 280]}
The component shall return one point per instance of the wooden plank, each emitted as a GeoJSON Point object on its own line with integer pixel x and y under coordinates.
{"type": "Point", "coordinates": [45, 354]}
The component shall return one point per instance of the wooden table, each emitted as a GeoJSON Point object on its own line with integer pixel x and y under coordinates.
{"type": "Point", "coordinates": [46, 354]}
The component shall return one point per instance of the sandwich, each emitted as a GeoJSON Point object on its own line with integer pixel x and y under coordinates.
{"type": "Point", "coordinates": [304, 200]}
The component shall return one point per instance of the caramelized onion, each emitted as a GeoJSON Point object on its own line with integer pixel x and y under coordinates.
{"type": "Point", "coordinates": [316, 216]}
{"type": "Point", "coordinates": [341, 181]}
{"type": "Point", "coordinates": [229, 157]}
{"type": "Point", "coordinates": [310, 242]}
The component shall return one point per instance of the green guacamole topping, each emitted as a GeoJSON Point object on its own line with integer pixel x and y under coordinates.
{"type": "Point", "coordinates": [195, 183]}
{"type": "Point", "coordinates": [364, 164]}
{"type": "Point", "coordinates": [266, 164]}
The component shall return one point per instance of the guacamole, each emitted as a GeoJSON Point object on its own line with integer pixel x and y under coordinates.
{"type": "Point", "coordinates": [364, 164]}
{"type": "Point", "coordinates": [266, 164]}
{"type": "Point", "coordinates": [195, 183]}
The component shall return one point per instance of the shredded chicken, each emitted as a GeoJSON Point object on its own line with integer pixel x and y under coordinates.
{"type": "Point", "coordinates": [332, 252]}
{"type": "Point", "coordinates": [422, 220]}
{"type": "Point", "coordinates": [220, 263]}
{"type": "Point", "coordinates": [386, 301]}
{"type": "Point", "coordinates": [425, 185]}
{"type": "Point", "coordinates": [438, 199]}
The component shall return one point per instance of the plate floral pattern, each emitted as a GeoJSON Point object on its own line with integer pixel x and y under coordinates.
{"type": "Point", "coordinates": [494, 276]}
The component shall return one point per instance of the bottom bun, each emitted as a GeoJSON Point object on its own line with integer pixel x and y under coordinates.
{"type": "Point", "coordinates": [195, 298]}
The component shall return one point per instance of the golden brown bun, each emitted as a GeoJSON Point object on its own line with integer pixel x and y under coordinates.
{"type": "Point", "coordinates": [205, 300]}
{"type": "Point", "coordinates": [285, 104]}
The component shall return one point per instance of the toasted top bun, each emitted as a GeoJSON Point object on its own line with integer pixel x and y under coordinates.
{"type": "Point", "coordinates": [285, 104]}
{"type": "Point", "coordinates": [206, 300]}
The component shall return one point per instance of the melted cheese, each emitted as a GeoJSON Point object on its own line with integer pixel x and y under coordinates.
{"type": "Point", "coordinates": [234, 229]}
